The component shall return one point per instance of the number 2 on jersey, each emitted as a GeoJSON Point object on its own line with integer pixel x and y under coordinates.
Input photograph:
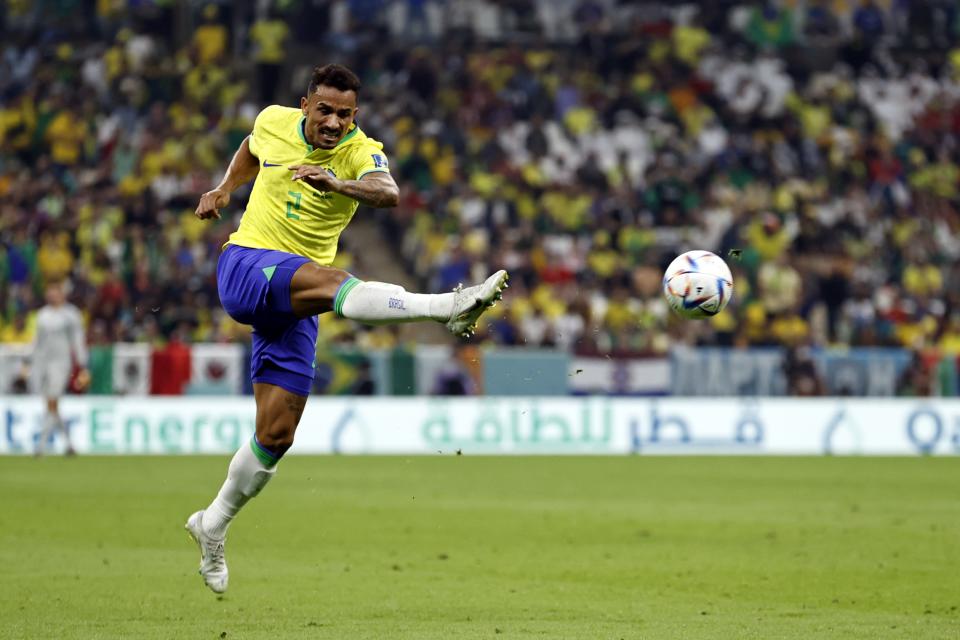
{"type": "Point", "coordinates": [293, 205]}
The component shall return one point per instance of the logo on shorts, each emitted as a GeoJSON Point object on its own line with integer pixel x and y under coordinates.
{"type": "Point", "coordinates": [379, 161]}
{"type": "Point", "coordinates": [395, 303]}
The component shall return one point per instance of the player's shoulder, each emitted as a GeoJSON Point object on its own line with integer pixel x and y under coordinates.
{"type": "Point", "coordinates": [361, 139]}
{"type": "Point", "coordinates": [368, 156]}
{"type": "Point", "coordinates": [277, 115]}
{"type": "Point", "coordinates": [361, 146]}
{"type": "Point", "coordinates": [49, 315]}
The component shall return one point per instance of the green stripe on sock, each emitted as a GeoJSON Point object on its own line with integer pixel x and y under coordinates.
{"type": "Point", "coordinates": [263, 456]}
{"type": "Point", "coordinates": [345, 289]}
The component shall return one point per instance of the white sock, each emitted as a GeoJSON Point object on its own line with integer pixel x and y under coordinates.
{"type": "Point", "coordinates": [65, 432]}
{"type": "Point", "coordinates": [383, 303]}
{"type": "Point", "coordinates": [246, 476]}
{"type": "Point", "coordinates": [51, 423]}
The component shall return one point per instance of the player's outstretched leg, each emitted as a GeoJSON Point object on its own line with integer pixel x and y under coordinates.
{"type": "Point", "coordinates": [252, 467]}
{"type": "Point", "coordinates": [315, 289]}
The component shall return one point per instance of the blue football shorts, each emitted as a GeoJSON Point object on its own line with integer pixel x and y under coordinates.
{"type": "Point", "coordinates": [254, 287]}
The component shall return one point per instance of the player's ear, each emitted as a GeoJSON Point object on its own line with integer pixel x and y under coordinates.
{"type": "Point", "coordinates": [303, 105]}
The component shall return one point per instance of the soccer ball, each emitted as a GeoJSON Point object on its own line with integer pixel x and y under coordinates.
{"type": "Point", "coordinates": [698, 284]}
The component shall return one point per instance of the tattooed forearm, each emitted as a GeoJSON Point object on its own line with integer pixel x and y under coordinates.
{"type": "Point", "coordinates": [373, 193]}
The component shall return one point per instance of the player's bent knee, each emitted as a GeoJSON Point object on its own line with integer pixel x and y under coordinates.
{"type": "Point", "coordinates": [314, 287]}
{"type": "Point", "coordinates": [277, 437]}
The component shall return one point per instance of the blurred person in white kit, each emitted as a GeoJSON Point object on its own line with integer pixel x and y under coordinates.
{"type": "Point", "coordinates": [59, 354]}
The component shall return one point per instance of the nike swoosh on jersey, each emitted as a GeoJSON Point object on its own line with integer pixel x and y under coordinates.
{"type": "Point", "coordinates": [269, 164]}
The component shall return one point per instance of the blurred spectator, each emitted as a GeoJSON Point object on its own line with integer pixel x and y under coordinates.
{"type": "Point", "coordinates": [364, 384]}
{"type": "Point", "coordinates": [917, 379]}
{"type": "Point", "coordinates": [210, 38]}
{"type": "Point", "coordinates": [19, 330]}
{"type": "Point", "coordinates": [868, 20]}
{"type": "Point", "coordinates": [170, 365]}
{"type": "Point", "coordinates": [269, 35]}
{"type": "Point", "coordinates": [803, 379]}
{"type": "Point", "coordinates": [780, 285]}
{"type": "Point", "coordinates": [453, 377]}
{"type": "Point", "coordinates": [771, 26]}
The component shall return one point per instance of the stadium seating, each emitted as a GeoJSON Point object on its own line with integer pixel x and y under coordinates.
{"type": "Point", "coordinates": [581, 145]}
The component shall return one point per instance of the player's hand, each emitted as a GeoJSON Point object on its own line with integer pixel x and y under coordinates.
{"type": "Point", "coordinates": [82, 379]}
{"type": "Point", "coordinates": [210, 204]}
{"type": "Point", "coordinates": [317, 177]}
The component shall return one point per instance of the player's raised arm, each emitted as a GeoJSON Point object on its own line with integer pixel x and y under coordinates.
{"type": "Point", "coordinates": [243, 168]}
{"type": "Point", "coordinates": [375, 189]}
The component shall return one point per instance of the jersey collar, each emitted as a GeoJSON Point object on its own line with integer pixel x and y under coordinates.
{"type": "Point", "coordinates": [310, 149]}
{"type": "Point", "coordinates": [303, 137]}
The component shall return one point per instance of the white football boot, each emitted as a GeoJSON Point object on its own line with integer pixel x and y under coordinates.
{"type": "Point", "coordinates": [213, 565]}
{"type": "Point", "coordinates": [470, 303]}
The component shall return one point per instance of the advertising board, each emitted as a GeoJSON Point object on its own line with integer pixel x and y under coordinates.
{"type": "Point", "coordinates": [503, 425]}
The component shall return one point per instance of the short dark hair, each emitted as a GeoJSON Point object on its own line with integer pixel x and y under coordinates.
{"type": "Point", "coordinates": [336, 76]}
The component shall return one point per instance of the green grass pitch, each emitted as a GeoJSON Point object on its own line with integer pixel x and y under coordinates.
{"type": "Point", "coordinates": [484, 547]}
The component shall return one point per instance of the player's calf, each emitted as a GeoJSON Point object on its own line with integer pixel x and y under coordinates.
{"type": "Point", "coordinates": [252, 467]}
{"type": "Point", "coordinates": [278, 414]}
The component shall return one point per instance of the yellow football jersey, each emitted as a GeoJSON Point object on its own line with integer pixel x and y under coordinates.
{"type": "Point", "coordinates": [293, 216]}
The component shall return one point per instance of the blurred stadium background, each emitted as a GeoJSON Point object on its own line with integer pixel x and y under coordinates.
{"type": "Point", "coordinates": [579, 144]}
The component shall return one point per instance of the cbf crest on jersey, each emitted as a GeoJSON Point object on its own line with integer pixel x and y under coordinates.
{"type": "Point", "coordinates": [379, 161]}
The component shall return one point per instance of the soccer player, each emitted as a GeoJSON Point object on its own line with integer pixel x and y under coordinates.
{"type": "Point", "coordinates": [59, 344]}
{"type": "Point", "coordinates": [313, 166]}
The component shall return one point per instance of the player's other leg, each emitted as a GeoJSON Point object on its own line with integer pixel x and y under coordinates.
{"type": "Point", "coordinates": [51, 384]}
{"type": "Point", "coordinates": [315, 289]}
{"type": "Point", "coordinates": [254, 287]}
{"type": "Point", "coordinates": [252, 467]}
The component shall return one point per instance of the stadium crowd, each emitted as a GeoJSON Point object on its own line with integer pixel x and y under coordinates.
{"type": "Point", "coordinates": [581, 144]}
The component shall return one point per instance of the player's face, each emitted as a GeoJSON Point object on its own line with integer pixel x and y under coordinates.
{"type": "Point", "coordinates": [55, 295]}
{"type": "Point", "coordinates": [330, 112]}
